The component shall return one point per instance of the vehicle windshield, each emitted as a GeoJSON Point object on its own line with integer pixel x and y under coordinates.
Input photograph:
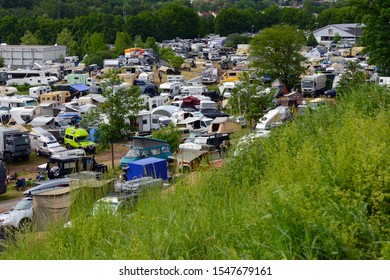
{"type": "Point", "coordinates": [166, 90]}
{"type": "Point", "coordinates": [53, 144]}
{"type": "Point", "coordinates": [22, 141]}
{"type": "Point", "coordinates": [133, 153]}
{"type": "Point", "coordinates": [82, 139]}
{"type": "Point", "coordinates": [63, 123]}
{"type": "Point", "coordinates": [24, 204]}
{"type": "Point", "coordinates": [307, 84]}
{"type": "Point", "coordinates": [200, 140]}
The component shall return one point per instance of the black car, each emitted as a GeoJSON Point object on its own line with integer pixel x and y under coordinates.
{"type": "Point", "coordinates": [331, 93]}
{"type": "Point", "coordinates": [212, 113]}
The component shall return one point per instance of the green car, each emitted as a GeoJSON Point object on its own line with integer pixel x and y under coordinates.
{"type": "Point", "coordinates": [78, 138]}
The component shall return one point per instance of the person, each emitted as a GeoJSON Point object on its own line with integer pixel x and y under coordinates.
{"type": "Point", "coordinates": [94, 164]}
{"type": "Point", "coordinates": [160, 76]}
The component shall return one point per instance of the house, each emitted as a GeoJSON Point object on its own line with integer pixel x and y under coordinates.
{"type": "Point", "coordinates": [350, 32]}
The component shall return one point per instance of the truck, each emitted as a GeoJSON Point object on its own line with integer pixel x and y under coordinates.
{"type": "Point", "coordinates": [14, 144]}
{"type": "Point", "coordinates": [313, 85]}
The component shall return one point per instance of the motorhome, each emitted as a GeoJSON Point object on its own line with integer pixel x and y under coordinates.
{"type": "Point", "coordinates": [154, 102]}
{"type": "Point", "coordinates": [23, 115]}
{"type": "Point", "coordinates": [170, 89]}
{"type": "Point", "coordinates": [35, 92]}
{"type": "Point", "coordinates": [32, 81]}
{"type": "Point", "coordinates": [77, 78]}
{"type": "Point", "coordinates": [146, 122]}
{"type": "Point", "coordinates": [17, 101]}
{"type": "Point", "coordinates": [274, 117]}
{"type": "Point", "coordinates": [192, 90]}
{"type": "Point", "coordinates": [44, 143]}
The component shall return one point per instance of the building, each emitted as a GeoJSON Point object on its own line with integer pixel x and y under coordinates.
{"type": "Point", "coordinates": [350, 32]}
{"type": "Point", "coordinates": [26, 56]}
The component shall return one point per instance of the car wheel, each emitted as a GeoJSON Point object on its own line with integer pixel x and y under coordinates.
{"type": "Point", "coordinates": [25, 225]}
{"type": "Point", "coordinates": [8, 158]}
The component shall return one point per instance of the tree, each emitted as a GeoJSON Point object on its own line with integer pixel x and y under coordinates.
{"type": "Point", "coordinates": [65, 38]}
{"type": "Point", "coordinates": [97, 43]}
{"type": "Point", "coordinates": [151, 43]}
{"type": "Point", "coordinates": [170, 134]}
{"type": "Point", "coordinates": [352, 78]}
{"type": "Point", "coordinates": [276, 51]}
{"type": "Point", "coordinates": [232, 40]}
{"type": "Point", "coordinates": [122, 41]}
{"type": "Point", "coordinates": [138, 43]}
{"type": "Point", "coordinates": [29, 39]}
{"type": "Point", "coordinates": [311, 41]}
{"type": "Point", "coordinates": [336, 38]}
{"type": "Point", "coordinates": [376, 32]}
{"type": "Point", "coordinates": [120, 110]}
{"type": "Point", "coordinates": [248, 98]}
{"type": "Point", "coordinates": [1, 61]}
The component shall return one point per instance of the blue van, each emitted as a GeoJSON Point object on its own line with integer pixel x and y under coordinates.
{"type": "Point", "coordinates": [144, 147]}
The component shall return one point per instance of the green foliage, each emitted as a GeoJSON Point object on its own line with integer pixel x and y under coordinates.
{"type": "Point", "coordinates": [122, 42]}
{"type": "Point", "coordinates": [249, 99]}
{"type": "Point", "coordinates": [317, 188]}
{"type": "Point", "coordinates": [277, 51]}
{"type": "Point", "coordinates": [151, 43]}
{"type": "Point", "coordinates": [336, 38]}
{"type": "Point", "coordinates": [138, 43]}
{"type": "Point", "coordinates": [1, 61]}
{"type": "Point", "coordinates": [65, 38]}
{"type": "Point", "coordinates": [29, 39]}
{"type": "Point", "coordinates": [353, 77]}
{"type": "Point", "coordinates": [170, 134]}
{"type": "Point", "coordinates": [376, 16]}
{"type": "Point", "coordinates": [311, 41]}
{"type": "Point", "coordinates": [98, 57]}
{"type": "Point", "coordinates": [168, 55]}
{"type": "Point", "coordinates": [232, 40]}
{"type": "Point", "coordinates": [96, 43]}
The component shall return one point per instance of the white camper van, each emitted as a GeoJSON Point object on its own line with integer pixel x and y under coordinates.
{"type": "Point", "coordinates": [44, 143]}
{"type": "Point", "coordinates": [170, 89]}
{"type": "Point", "coordinates": [35, 92]}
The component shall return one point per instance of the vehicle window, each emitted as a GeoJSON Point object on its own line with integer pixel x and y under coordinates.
{"type": "Point", "coordinates": [69, 165]}
{"type": "Point", "coordinates": [24, 204]}
{"type": "Point", "coordinates": [165, 150]}
{"type": "Point", "coordinates": [145, 153]}
{"type": "Point", "coordinates": [156, 151]}
{"type": "Point", "coordinates": [133, 153]}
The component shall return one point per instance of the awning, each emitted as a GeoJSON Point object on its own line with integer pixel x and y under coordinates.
{"type": "Point", "coordinates": [79, 87]}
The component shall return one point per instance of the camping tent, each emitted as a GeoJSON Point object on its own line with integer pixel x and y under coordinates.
{"type": "Point", "coordinates": [148, 167]}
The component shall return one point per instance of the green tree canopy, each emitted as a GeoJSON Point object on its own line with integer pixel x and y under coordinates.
{"type": "Point", "coordinates": [120, 109]}
{"type": "Point", "coordinates": [170, 134]}
{"type": "Point", "coordinates": [65, 38]}
{"type": "Point", "coordinates": [122, 41]}
{"type": "Point", "coordinates": [311, 41]}
{"type": "Point", "coordinates": [97, 43]}
{"type": "Point", "coordinates": [29, 39]}
{"type": "Point", "coordinates": [276, 51]}
{"type": "Point", "coordinates": [376, 32]}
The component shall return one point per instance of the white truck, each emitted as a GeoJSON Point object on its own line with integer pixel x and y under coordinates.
{"type": "Point", "coordinates": [170, 89]}
{"type": "Point", "coordinates": [313, 85]}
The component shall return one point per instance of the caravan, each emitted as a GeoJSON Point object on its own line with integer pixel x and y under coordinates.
{"type": "Point", "coordinates": [35, 92]}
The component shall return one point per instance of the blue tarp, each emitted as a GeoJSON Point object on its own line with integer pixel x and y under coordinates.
{"type": "Point", "coordinates": [148, 167]}
{"type": "Point", "coordinates": [79, 87]}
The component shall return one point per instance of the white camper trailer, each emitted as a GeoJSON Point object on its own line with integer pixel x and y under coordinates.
{"type": "Point", "coordinates": [35, 92]}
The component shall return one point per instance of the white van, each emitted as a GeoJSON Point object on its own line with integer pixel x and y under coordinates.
{"type": "Point", "coordinates": [170, 89]}
{"type": "Point", "coordinates": [192, 90]}
{"type": "Point", "coordinates": [44, 143]}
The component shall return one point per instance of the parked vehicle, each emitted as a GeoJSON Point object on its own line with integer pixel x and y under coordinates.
{"type": "Point", "coordinates": [313, 85]}
{"type": "Point", "coordinates": [35, 92]}
{"type": "Point", "coordinates": [70, 118]}
{"type": "Point", "coordinates": [62, 166]}
{"type": "Point", "coordinates": [144, 147]}
{"type": "Point", "coordinates": [76, 137]}
{"type": "Point", "coordinates": [212, 113]}
{"type": "Point", "coordinates": [3, 177]}
{"type": "Point", "coordinates": [170, 89]}
{"type": "Point", "coordinates": [14, 144]}
{"type": "Point", "coordinates": [44, 143]}
{"type": "Point", "coordinates": [20, 217]}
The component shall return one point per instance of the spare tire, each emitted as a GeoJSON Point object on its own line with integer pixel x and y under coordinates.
{"type": "Point", "coordinates": [55, 172]}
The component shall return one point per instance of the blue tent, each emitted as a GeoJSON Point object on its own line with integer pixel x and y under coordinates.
{"type": "Point", "coordinates": [148, 167]}
{"type": "Point", "coordinates": [79, 87]}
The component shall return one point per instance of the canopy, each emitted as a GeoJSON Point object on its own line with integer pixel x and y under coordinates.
{"type": "Point", "coordinates": [79, 87]}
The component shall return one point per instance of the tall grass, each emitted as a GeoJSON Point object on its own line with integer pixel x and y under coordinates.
{"type": "Point", "coordinates": [318, 188]}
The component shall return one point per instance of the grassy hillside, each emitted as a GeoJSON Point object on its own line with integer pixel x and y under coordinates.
{"type": "Point", "coordinates": [318, 188]}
